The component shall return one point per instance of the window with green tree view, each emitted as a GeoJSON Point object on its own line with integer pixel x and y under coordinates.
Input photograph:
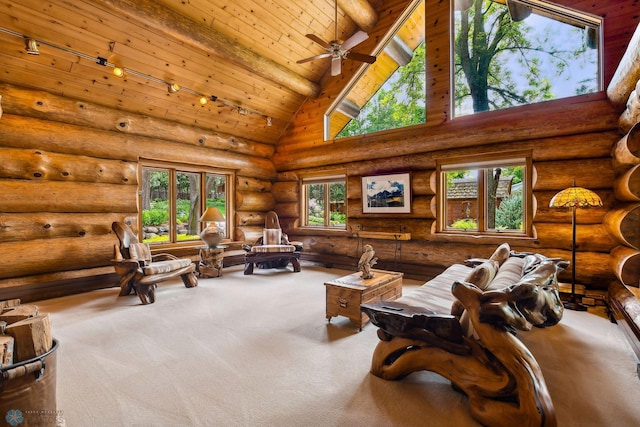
{"type": "Point", "coordinates": [485, 197]}
{"type": "Point", "coordinates": [505, 54]}
{"type": "Point", "coordinates": [324, 202]}
{"type": "Point", "coordinates": [173, 199]}
{"type": "Point", "coordinates": [522, 52]}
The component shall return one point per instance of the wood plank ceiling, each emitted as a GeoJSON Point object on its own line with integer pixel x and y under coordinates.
{"type": "Point", "coordinates": [243, 52]}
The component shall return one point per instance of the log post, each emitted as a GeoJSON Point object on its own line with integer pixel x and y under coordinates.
{"type": "Point", "coordinates": [625, 263]}
{"type": "Point", "coordinates": [624, 225]}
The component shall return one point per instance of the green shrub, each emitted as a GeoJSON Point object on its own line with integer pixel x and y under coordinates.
{"type": "Point", "coordinates": [465, 224]}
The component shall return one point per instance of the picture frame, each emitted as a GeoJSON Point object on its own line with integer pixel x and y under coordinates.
{"type": "Point", "coordinates": [386, 193]}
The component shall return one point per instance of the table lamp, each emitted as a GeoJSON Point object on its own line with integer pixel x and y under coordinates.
{"type": "Point", "coordinates": [574, 197]}
{"type": "Point", "coordinates": [212, 234]}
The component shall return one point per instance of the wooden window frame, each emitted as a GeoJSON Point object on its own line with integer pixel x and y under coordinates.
{"type": "Point", "coordinates": [486, 161]}
{"type": "Point", "coordinates": [325, 180]}
{"type": "Point", "coordinates": [174, 169]}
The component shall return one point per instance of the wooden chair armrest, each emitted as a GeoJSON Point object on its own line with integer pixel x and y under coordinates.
{"type": "Point", "coordinates": [163, 257]}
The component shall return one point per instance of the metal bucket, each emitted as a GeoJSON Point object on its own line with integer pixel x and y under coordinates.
{"type": "Point", "coordinates": [28, 392]}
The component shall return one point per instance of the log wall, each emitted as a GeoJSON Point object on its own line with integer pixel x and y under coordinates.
{"type": "Point", "coordinates": [568, 139]}
{"type": "Point", "coordinates": [69, 169]}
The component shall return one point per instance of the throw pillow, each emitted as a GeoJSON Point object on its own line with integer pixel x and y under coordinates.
{"type": "Point", "coordinates": [501, 253]}
{"type": "Point", "coordinates": [483, 274]}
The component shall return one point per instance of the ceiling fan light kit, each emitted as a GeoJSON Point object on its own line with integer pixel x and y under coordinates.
{"type": "Point", "coordinates": [337, 49]}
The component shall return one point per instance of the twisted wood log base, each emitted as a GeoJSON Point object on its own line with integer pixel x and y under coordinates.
{"type": "Point", "coordinates": [491, 366]}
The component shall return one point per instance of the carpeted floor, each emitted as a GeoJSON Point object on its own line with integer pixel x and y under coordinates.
{"type": "Point", "coordinates": [257, 351]}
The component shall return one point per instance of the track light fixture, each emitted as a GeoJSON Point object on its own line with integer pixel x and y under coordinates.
{"type": "Point", "coordinates": [31, 46]}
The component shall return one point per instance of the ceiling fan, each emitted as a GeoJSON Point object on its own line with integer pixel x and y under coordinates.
{"type": "Point", "coordinates": [337, 49]}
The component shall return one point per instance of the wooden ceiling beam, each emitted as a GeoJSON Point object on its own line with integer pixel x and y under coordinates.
{"type": "Point", "coordinates": [185, 30]}
{"type": "Point", "coordinates": [361, 12]}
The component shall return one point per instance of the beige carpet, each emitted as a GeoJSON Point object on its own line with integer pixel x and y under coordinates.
{"type": "Point", "coordinates": [257, 351]}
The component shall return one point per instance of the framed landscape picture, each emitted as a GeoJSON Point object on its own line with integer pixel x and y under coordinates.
{"type": "Point", "coordinates": [386, 193]}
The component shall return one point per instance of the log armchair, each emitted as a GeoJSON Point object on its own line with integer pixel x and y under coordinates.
{"type": "Point", "coordinates": [273, 249]}
{"type": "Point", "coordinates": [140, 271]}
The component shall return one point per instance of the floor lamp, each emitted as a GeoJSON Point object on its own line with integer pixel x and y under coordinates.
{"type": "Point", "coordinates": [575, 197]}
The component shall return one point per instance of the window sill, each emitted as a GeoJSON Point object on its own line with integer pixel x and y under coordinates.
{"type": "Point", "coordinates": [521, 240]}
{"type": "Point", "coordinates": [314, 231]}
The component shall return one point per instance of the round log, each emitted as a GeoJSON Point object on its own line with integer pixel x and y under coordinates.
{"type": "Point", "coordinates": [624, 224]}
{"type": "Point", "coordinates": [52, 255]}
{"type": "Point", "coordinates": [587, 173]}
{"type": "Point", "coordinates": [287, 191]}
{"type": "Point", "coordinates": [244, 218]}
{"type": "Point", "coordinates": [589, 237]}
{"type": "Point", "coordinates": [56, 196]}
{"type": "Point", "coordinates": [44, 105]}
{"type": "Point", "coordinates": [423, 182]}
{"type": "Point", "coordinates": [354, 187]}
{"type": "Point", "coordinates": [627, 186]}
{"type": "Point", "coordinates": [626, 152]}
{"type": "Point", "coordinates": [288, 210]}
{"type": "Point", "coordinates": [625, 263]}
{"type": "Point", "coordinates": [21, 132]}
{"type": "Point", "coordinates": [248, 234]}
{"type": "Point", "coordinates": [588, 117]}
{"type": "Point", "coordinates": [631, 115]}
{"type": "Point", "coordinates": [593, 269]}
{"type": "Point", "coordinates": [43, 165]}
{"type": "Point", "coordinates": [20, 227]}
{"type": "Point", "coordinates": [254, 201]}
{"type": "Point", "coordinates": [627, 73]}
{"type": "Point", "coordinates": [544, 213]}
{"type": "Point", "coordinates": [245, 183]}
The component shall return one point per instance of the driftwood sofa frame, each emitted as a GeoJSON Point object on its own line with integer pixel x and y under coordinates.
{"type": "Point", "coordinates": [475, 346]}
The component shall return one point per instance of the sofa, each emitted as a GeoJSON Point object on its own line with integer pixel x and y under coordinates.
{"type": "Point", "coordinates": [462, 325]}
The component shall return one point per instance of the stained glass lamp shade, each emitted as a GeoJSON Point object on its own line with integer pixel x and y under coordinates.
{"type": "Point", "coordinates": [575, 197]}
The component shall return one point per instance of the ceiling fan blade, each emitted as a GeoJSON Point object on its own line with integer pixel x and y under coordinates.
{"type": "Point", "coordinates": [354, 40]}
{"type": "Point", "coordinates": [336, 66]}
{"type": "Point", "coordinates": [322, 55]}
{"type": "Point", "coordinates": [318, 40]}
{"type": "Point", "coordinates": [361, 57]}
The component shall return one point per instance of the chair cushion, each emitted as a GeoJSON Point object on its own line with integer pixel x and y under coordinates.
{"type": "Point", "coordinates": [168, 266]}
{"type": "Point", "coordinates": [273, 248]}
{"type": "Point", "coordinates": [140, 252]}
{"type": "Point", "coordinates": [271, 236]}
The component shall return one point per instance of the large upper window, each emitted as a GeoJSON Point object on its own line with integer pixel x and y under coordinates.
{"type": "Point", "coordinates": [324, 202]}
{"type": "Point", "coordinates": [389, 93]}
{"type": "Point", "coordinates": [517, 52]}
{"type": "Point", "coordinates": [484, 197]}
{"type": "Point", "coordinates": [173, 199]}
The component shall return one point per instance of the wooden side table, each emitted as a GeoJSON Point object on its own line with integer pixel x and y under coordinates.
{"type": "Point", "coordinates": [211, 261]}
{"type": "Point", "coordinates": [345, 294]}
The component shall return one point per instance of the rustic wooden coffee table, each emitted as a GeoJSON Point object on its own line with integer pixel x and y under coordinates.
{"type": "Point", "coordinates": [345, 294]}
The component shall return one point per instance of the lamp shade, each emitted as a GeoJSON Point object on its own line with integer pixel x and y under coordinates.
{"type": "Point", "coordinates": [212, 235]}
{"type": "Point", "coordinates": [575, 197]}
{"type": "Point", "coordinates": [212, 214]}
